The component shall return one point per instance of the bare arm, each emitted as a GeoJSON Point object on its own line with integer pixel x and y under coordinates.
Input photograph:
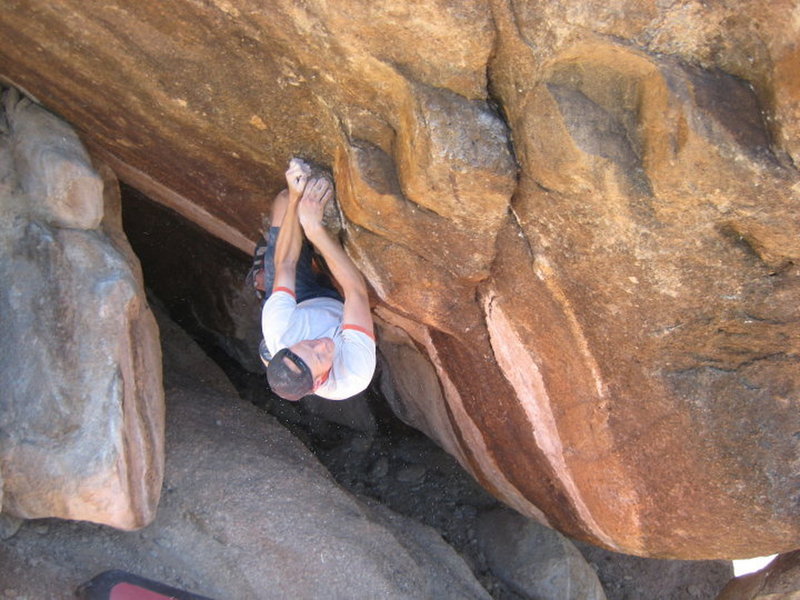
{"type": "Point", "coordinates": [290, 237]}
{"type": "Point", "coordinates": [356, 300]}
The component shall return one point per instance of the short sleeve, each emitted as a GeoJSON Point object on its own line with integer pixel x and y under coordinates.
{"type": "Point", "coordinates": [353, 366]}
{"type": "Point", "coordinates": [276, 317]}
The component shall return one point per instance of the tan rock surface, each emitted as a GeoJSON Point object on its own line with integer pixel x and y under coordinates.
{"type": "Point", "coordinates": [82, 405]}
{"type": "Point", "coordinates": [612, 320]}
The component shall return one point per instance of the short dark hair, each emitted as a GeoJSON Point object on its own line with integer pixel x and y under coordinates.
{"type": "Point", "coordinates": [287, 382]}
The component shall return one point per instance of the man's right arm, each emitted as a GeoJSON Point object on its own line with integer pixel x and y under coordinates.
{"type": "Point", "coordinates": [356, 299]}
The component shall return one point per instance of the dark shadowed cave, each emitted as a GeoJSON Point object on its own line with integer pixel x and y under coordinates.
{"type": "Point", "coordinates": [199, 279]}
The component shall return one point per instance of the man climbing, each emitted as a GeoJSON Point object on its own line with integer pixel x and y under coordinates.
{"type": "Point", "coordinates": [319, 342]}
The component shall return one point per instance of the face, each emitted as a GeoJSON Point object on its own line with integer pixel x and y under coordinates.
{"type": "Point", "coordinates": [317, 354]}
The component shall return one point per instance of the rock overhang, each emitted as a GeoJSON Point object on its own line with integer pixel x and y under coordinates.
{"type": "Point", "coordinates": [643, 264]}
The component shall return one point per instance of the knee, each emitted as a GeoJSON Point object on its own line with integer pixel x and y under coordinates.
{"type": "Point", "coordinates": [279, 205]}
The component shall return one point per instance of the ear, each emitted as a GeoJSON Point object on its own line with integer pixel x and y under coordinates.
{"type": "Point", "coordinates": [321, 379]}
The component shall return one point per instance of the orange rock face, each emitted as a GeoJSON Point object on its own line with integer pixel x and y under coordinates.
{"type": "Point", "coordinates": [580, 220]}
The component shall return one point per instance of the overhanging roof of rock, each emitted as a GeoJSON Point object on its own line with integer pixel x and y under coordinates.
{"type": "Point", "coordinates": [638, 301]}
{"type": "Point", "coordinates": [202, 104]}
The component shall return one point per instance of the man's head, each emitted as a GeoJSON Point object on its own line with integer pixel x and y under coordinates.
{"type": "Point", "coordinates": [296, 371]}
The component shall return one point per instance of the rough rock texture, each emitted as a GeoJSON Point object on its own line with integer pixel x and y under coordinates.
{"type": "Point", "coordinates": [406, 471]}
{"type": "Point", "coordinates": [579, 219]}
{"type": "Point", "coordinates": [627, 577]}
{"type": "Point", "coordinates": [276, 526]}
{"type": "Point", "coordinates": [779, 580]}
{"type": "Point", "coordinates": [82, 407]}
{"type": "Point", "coordinates": [535, 561]}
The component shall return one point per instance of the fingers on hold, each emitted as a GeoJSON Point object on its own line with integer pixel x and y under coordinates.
{"type": "Point", "coordinates": [299, 163]}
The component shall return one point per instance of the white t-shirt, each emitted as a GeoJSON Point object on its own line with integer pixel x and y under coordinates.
{"type": "Point", "coordinates": [284, 322]}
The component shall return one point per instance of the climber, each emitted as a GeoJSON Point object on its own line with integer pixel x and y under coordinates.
{"type": "Point", "coordinates": [319, 342]}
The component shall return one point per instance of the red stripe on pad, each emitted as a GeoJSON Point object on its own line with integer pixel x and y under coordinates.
{"type": "Point", "coordinates": [127, 591]}
{"type": "Point", "coordinates": [284, 289]}
{"type": "Point", "coordinates": [361, 329]}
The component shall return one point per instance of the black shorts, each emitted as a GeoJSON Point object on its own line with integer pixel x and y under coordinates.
{"type": "Point", "coordinates": [309, 282]}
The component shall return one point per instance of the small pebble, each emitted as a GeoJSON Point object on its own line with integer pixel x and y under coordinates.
{"type": "Point", "coordinates": [380, 468]}
{"type": "Point", "coordinates": [360, 444]}
{"type": "Point", "coordinates": [412, 474]}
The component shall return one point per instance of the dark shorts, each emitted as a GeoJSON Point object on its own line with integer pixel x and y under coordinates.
{"type": "Point", "coordinates": [309, 282]}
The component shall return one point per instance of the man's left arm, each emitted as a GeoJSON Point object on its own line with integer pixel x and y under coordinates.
{"type": "Point", "coordinates": [290, 238]}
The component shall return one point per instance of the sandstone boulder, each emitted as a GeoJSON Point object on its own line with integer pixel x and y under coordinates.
{"type": "Point", "coordinates": [581, 217]}
{"type": "Point", "coordinates": [82, 404]}
{"type": "Point", "coordinates": [658, 224]}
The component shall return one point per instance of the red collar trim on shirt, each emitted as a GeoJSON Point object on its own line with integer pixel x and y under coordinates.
{"type": "Point", "coordinates": [361, 329]}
